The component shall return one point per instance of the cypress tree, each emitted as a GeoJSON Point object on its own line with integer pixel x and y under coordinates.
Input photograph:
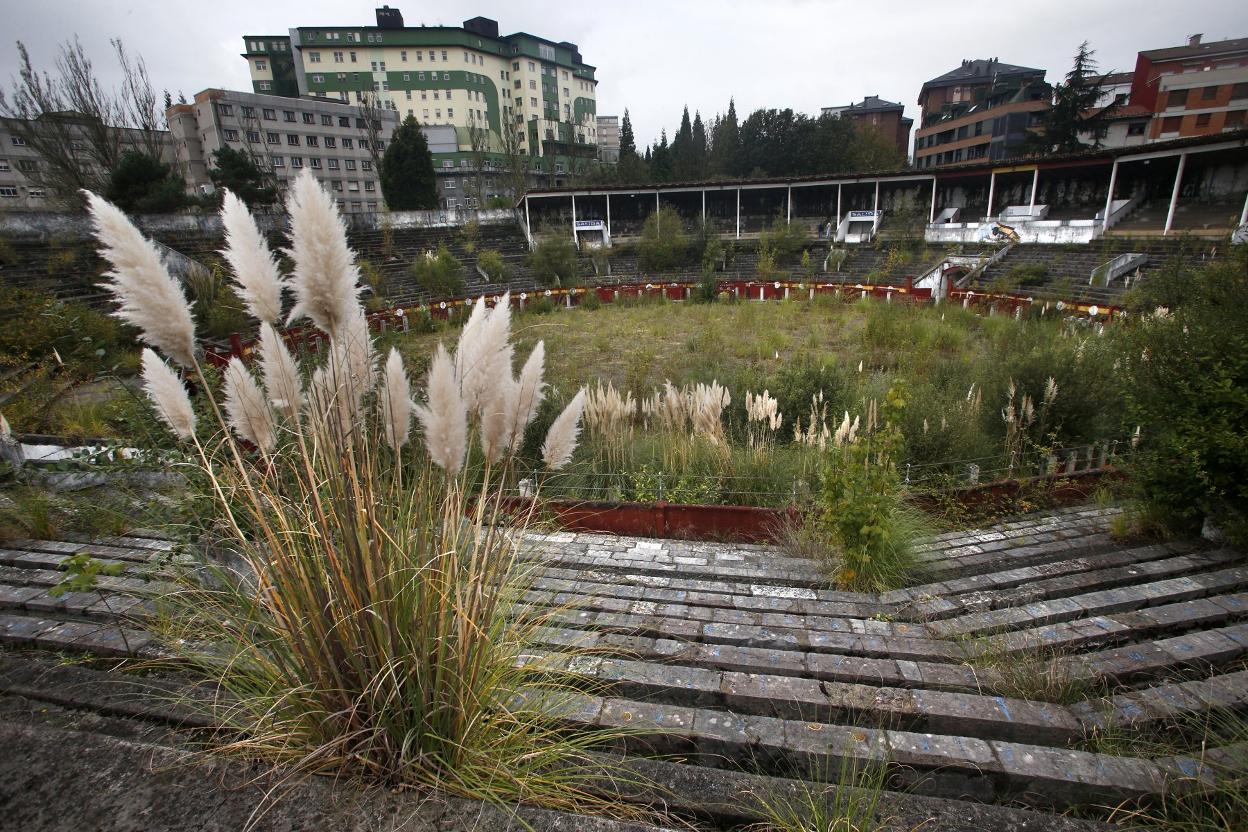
{"type": "Point", "coordinates": [408, 182]}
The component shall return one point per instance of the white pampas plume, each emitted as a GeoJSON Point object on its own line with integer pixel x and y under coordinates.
{"type": "Point", "coordinates": [326, 279]}
{"type": "Point", "coordinates": [245, 407]}
{"type": "Point", "coordinates": [6, 432]}
{"type": "Point", "coordinates": [445, 418]}
{"type": "Point", "coordinates": [497, 415]}
{"type": "Point", "coordinates": [466, 348]}
{"type": "Point", "coordinates": [395, 401]}
{"type": "Point", "coordinates": [279, 371]}
{"type": "Point", "coordinates": [488, 357]}
{"type": "Point", "coordinates": [561, 438]}
{"type": "Point", "coordinates": [149, 296]}
{"type": "Point", "coordinates": [168, 395]}
{"type": "Point", "coordinates": [255, 269]}
{"type": "Point", "coordinates": [530, 390]}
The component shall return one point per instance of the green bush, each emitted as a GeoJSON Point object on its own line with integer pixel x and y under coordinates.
{"type": "Point", "coordinates": [664, 243]}
{"type": "Point", "coordinates": [439, 275]}
{"type": "Point", "coordinates": [1186, 387]}
{"type": "Point", "coordinates": [491, 262]}
{"type": "Point", "coordinates": [1029, 274]}
{"type": "Point", "coordinates": [785, 241]}
{"type": "Point", "coordinates": [553, 262]}
{"type": "Point", "coordinates": [590, 300]}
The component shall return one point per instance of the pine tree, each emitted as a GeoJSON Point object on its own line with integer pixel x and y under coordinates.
{"type": "Point", "coordinates": [628, 145]}
{"type": "Point", "coordinates": [1074, 111]}
{"type": "Point", "coordinates": [631, 169]}
{"type": "Point", "coordinates": [661, 160]}
{"type": "Point", "coordinates": [682, 150]}
{"type": "Point", "coordinates": [408, 182]}
{"type": "Point", "coordinates": [699, 147]}
{"type": "Point", "coordinates": [726, 144]}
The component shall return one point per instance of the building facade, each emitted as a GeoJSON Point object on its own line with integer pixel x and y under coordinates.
{"type": "Point", "coordinates": [609, 139]}
{"type": "Point", "coordinates": [984, 109]}
{"type": "Point", "coordinates": [1200, 89]}
{"type": "Point", "coordinates": [874, 113]}
{"type": "Point", "coordinates": [339, 143]}
{"type": "Point", "coordinates": [512, 100]}
{"type": "Point", "coordinates": [27, 183]}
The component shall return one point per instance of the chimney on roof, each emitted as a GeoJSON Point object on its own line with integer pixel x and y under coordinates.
{"type": "Point", "coordinates": [388, 18]}
{"type": "Point", "coordinates": [1194, 40]}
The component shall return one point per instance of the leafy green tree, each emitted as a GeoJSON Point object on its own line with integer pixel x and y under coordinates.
{"type": "Point", "coordinates": [698, 154]}
{"type": "Point", "coordinates": [408, 182]}
{"type": "Point", "coordinates": [725, 158]}
{"type": "Point", "coordinates": [1075, 109]}
{"type": "Point", "coordinates": [236, 171]}
{"type": "Point", "coordinates": [664, 243]}
{"type": "Point", "coordinates": [142, 184]}
{"type": "Point", "coordinates": [661, 160]}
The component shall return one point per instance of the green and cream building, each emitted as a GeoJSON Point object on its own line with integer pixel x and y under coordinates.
{"type": "Point", "coordinates": [504, 96]}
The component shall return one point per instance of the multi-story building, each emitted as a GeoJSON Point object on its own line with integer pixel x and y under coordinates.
{"type": "Point", "coordinates": [874, 113]}
{"type": "Point", "coordinates": [984, 109]}
{"type": "Point", "coordinates": [512, 99]}
{"type": "Point", "coordinates": [340, 143]}
{"type": "Point", "coordinates": [1193, 90]}
{"type": "Point", "coordinates": [609, 139]}
{"type": "Point", "coordinates": [29, 183]}
{"type": "Point", "coordinates": [1126, 124]}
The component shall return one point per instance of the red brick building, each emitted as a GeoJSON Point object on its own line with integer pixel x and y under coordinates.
{"type": "Point", "coordinates": [1195, 90]}
{"type": "Point", "coordinates": [874, 113]}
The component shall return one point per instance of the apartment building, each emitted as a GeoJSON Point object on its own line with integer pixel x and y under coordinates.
{"type": "Point", "coordinates": [505, 96]}
{"type": "Point", "coordinates": [609, 139]}
{"type": "Point", "coordinates": [1198, 89]}
{"type": "Point", "coordinates": [874, 113]}
{"type": "Point", "coordinates": [338, 142]}
{"type": "Point", "coordinates": [983, 109]}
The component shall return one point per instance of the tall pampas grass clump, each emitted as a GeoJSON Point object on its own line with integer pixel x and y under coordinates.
{"type": "Point", "coordinates": [371, 623]}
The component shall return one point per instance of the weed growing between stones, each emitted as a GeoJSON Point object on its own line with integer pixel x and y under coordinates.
{"type": "Point", "coordinates": [850, 804]}
{"type": "Point", "coordinates": [1038, 676]}
{"type": "Point", "coordinates": [362, 616]}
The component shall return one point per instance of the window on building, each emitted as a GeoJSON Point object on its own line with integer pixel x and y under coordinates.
{"type": "Point", "coordinates": [265, 85]}
{"type": "Point", "coordinates": [533, 101]}
{"type": "Point", "coordinates": [366, 165]}
{"type": "Point", "coordinates": [354, 59]}
{"type": "Point", "coordinates": [1234, 120]}
{"type": "Point", "coordinates": [1202, 120]}
{"type": "Point", "coordinates": [450, 112]}
{"type": "Point", "coordinates": [444, 54]}
{"type": "Point", "coordinates": [349, 164]}
{"type": "Point", "coordinates": [8, 191]}
{"type": "Point", "coordinates": [450, 184]}
{"type": "Point", "coordinates": [314, 57]}
{"type": "Point", "coordinates": [249, 112]}
{"type": "Point", "coordinates": [227, 110]}
{"type": "Point", "coordinates": [532, 84]}
{"type": "Point", "coordinates": [363, 144]}
{"type": "Point", "coordinates": [288, 115]}
{"type": "Point", "coordinates": [1239, 91]}
{"type": "Point", "coordinates": [1208, 93]}
{"type": "Point", "coordinates": [1136, 128]}
{"type": "Point", "coordinates": [347, 144]}
{"type": "Point", "coordinates": [452, 203]}
{"type": "Point", "coordinates": [318, 79]}
{"type": "Point", "coordinates": [403, 55]}
{"type": "Point", "coordinates": [292, 139]}
{"type": "Point", "coordinates": [353, 187]}
{"type": "Point", "coordinates": [231, 135]}
{"type": "Point", "coordinates": [370, 186]}
{"type": "Point", "coordinates": [296, 161]}
{"type": "Point", "coordinates": [253, 136]}
{"type": "Point", "coordinates": [313, 141]}
{"type": "Point", "coordinates": [30, 165]}
{"type": "Point", "coordinates": [309, 118]}
{"type": "Point", "coordinates": [272, 138]}
{"type": "Point", "coordinates": [269, 115]}
{"type": "Point", "coordinates": [332, 164]}
{"type": "Point", "coordinates": [279, 162]}
{"type": "Point", "coordinates": [1176, 98]}
{"type": "Point", "coordinates": [437, 114]}
{"type": "Point", "coordinates": [315, 163]}
{"type": "Point", "coordinates": [262, 65]}
{"type": "Point", "coordinates": [338, 57]}
{"type": "Point", "coordinates": [1171, 124]}
{"type": "Point", "coordinates": [337, 186]}
{"type": "Point", "coordinates": [4, 166]}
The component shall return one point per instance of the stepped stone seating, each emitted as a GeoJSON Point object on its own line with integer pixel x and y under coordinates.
{"type": "Point", "coordinates": [68, 268]}
{"type": "Point", "coordinates": [740, 662]}
{"type": "Point", "coordinates": [1202, 219]}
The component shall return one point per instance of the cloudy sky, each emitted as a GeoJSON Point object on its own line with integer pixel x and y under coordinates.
{"type": "Point", "coordinates": [656, 56]}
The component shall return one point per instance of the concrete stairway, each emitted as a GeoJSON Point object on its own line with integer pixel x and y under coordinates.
{"type": "Point", "coordinates": [741, 663]}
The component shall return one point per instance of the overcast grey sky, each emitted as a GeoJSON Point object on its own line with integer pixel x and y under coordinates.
{"type": "Point", "coordinates": [655, 56]}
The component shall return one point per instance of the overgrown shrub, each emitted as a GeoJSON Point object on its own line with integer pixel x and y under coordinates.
{"type": "Point", "coordinates": [439, 275]}
{"type": "Point", "coordinates": [664, 243]}
{"type": "Point", "coordinates": [784, 240]}
{"type": "Point", "coordinates": [491, 262]}
{"type": "Point", "coordinates": [553, 261]}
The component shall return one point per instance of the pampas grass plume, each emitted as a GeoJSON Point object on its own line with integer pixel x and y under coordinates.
{"type": "Point", "coordinates": [255, 269]}
{"type": "Point", "coordinates": [279, 371]}
{"type": "Point", "coordinates": [530, 390]}
{"type": "Point", "coordinates": [445, 417]}
{"type": "Point", "coordinates": [149, 297]}
{"type": "Point", "coordinates": [395, 401]}
{"type": "Point", "coordinates": [325, 280]}
{"type": "Point", "coordinates": [168, 395]}
{"type": "Point", "coordinates": [246, 409]}
{"type": "Point", "coordinates": [561, 438]}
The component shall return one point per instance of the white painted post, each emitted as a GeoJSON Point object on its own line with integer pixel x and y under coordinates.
{"type": "Point", "coordinates": [608, 216]}
{"type": "Point", "coordinates": [992, 189]}
{"type": "Point", "coordinates": [1109, 199]}
{"type": "Point", "coordinates": [838, 210]}
{"type": "Point", "coordinates": [658, 222]}
{"type": "Point", "coordinates": [931, 213]}
{"type": "Point", "coordinates": [788, 220]}
{"type": "Point", "coordinates": [1174, 195]}
{"type": "Point", "coordinates": [1243, 217]}
{"type": "Point", "coordinates": [875, 206]}
{"type": "Point", "coordinates": [704, 206]}
{"type": "Point", "coordinates": [527, 231]}
{"type": "Point", "coordinates": [575, 240]}
{"type": "Point", "coordinates": [738, 213]}
{"type": "Point", "coordinates": [1035, 183]}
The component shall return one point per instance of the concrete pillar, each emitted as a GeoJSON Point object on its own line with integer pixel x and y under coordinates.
{"type": "Point", "coordinates": [658, 222]}
{"type": "Point", "coordinates": [1243, 217]}
{"type": "Point", "coordinates": [1174, 194]}
{"type": "Point", "coordinates": [704, 206]}
{"type": "Point", "coordinates": [575, 240]}
{"type": "Point", "coordinates": [838, 206]}
{"type": "Point", "coordinates": [992, 191]}
{"type": "Point", "coordinates": [931, 213]}
{"type": "Point", "coordinates": [738, 213]}
{"type": "Point", "coordinates": [527, 231]}
{"type": "Point", "coordinates": [788, 220]}
{"type": "Point", "coordinates": [608, 216]}
{"type": "Point", "coordinates": [875, 205]}
{"type": "Point", "coordinates": [1109, 199]}
{"type": "Point", "coordinates": [1035, 183]}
